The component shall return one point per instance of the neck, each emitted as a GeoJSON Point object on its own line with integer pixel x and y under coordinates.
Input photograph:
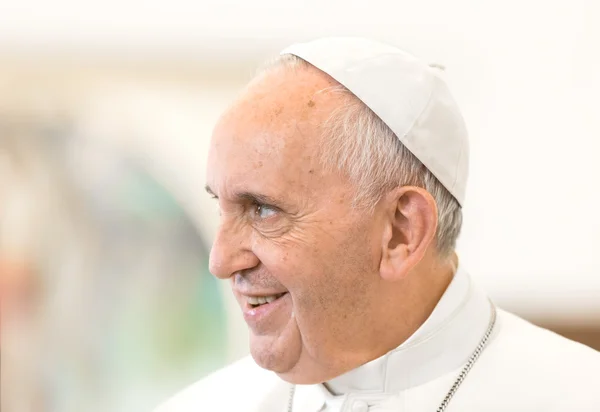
{"type": "Point", "coordinates": [446, 339]}
{"type": "Point", "coordinates": [408, 304]}
{"type": "Point", "coordinates": [442, 345]}
{"type": "Point", "coordinates": [402, 308]}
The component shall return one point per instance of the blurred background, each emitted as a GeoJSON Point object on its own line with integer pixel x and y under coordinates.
{"type": "Point", "coordinates": [106, 109]}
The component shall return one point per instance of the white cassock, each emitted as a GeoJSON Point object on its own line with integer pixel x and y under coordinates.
{"type": "Point", "coordinates": [522, 368]}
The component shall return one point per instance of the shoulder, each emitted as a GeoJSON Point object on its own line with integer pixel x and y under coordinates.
{"type": "Point", "coordinates": [553, 368]}
{"type": "Point", "coordinates": [532, 342]}
{"type": "Point", "coordinates": [235, 387]}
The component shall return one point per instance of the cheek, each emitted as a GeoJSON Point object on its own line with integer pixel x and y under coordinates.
{"type": "Point", "coordinates": [321, 278]}
{"type": "Point", "coordinates": [338, 282]}
{"type": "Point", "coordinates": [329, 281]}
{"type": "Point", "coordinates": [302, 268]}
{"type": "Point", "coordinates": [284, 260]}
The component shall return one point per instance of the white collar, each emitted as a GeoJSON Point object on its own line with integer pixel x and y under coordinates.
{"type": "Point", "coordinates": [443, 343]}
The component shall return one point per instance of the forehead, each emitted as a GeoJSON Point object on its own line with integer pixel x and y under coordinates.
{"type": "Point", "coordinates": [269, 139]}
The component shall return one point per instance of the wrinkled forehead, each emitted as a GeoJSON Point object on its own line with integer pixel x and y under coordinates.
{"type": "Point", "coordinates": [270, 137]}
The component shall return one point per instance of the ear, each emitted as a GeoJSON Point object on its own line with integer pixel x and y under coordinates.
{"type": "Point", "coordinates": [411, 219]}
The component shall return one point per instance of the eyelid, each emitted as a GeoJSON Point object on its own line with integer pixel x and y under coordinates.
{"type": "Point", "coordinates": [247, 199]}
{"type": "Point", "coordinates": [267, 205]}
{"type": "Point", "coordinates": [256, 214]}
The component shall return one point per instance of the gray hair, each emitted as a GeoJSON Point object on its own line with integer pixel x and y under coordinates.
{"type": "Point", "coordinates": [375, 160]}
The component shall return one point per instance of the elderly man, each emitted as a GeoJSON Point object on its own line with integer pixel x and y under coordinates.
{"type": "Point", "coordinates": [340, 173]}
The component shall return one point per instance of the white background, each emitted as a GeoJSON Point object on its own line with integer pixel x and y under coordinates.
{"type": "Point", "coordinates": [526, 74]}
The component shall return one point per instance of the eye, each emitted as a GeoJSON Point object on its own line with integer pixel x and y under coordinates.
{"type": "Point", "coordinates": [264, 211]}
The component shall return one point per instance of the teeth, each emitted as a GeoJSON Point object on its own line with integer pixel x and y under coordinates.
{"type": "Point", "coordinates": [261, 300]}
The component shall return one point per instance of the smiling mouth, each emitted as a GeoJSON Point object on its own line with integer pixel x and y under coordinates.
{"type": "Point", "coordinates": [256, 301]}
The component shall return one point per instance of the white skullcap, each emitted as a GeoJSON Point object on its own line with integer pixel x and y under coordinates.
{"type": "Point", "coordinates": [407, 94]}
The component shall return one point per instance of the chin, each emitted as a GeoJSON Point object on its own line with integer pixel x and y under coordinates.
{"type": "Point", "coordinates": [297, 378]}
{"type": "Point", "coordinates": [290, 365]}
{"type": "Point", "coordinates": [301, 376]}
{"type": "Point", "coordinates": [278, 352]}
{"type": "Point", "coordinates": [279, 362]}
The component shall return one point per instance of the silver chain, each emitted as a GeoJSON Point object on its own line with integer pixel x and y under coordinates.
{"type": "Point", "coordinates": [461, 377]}
{"type": "Point", "coordinates": [291, 400]}
{"type": "Point", "coordinates": [463, 374]}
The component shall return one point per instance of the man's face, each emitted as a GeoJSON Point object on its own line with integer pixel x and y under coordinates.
{"type": "Point", "coordinates": [288, 235]}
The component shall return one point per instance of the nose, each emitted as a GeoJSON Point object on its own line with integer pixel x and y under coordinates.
{"type": "Point", "coordinates": [231, 251]}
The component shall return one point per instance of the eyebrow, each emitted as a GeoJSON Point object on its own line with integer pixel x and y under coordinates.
{"type": "Point", "coordinates": [209, 191]}
{"type": "Point", "coordinates": [250, 197]}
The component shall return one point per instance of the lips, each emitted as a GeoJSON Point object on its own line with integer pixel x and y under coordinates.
{"type": "Point", "coordinates": [255, 301]}
{"type": "Point", "coordinates": [266, 313]}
